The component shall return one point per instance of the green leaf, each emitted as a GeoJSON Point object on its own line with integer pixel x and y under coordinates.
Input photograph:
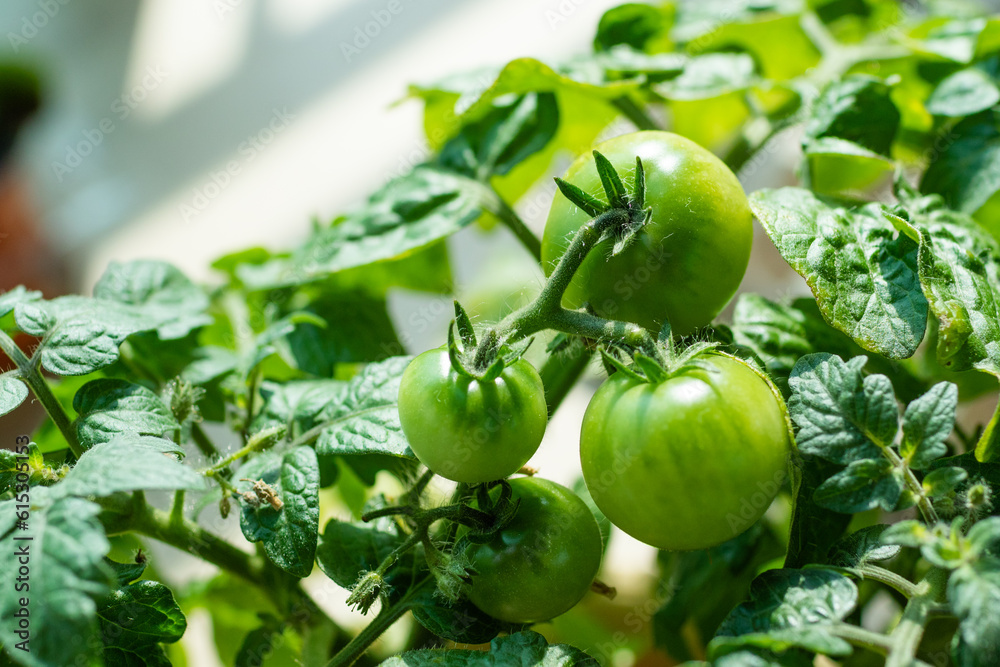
{"type": "Point", "coordinates": [19, 294]}
{"type": "Point", "coordinates": [289, 534]}
{"type": "Point", "coordinates": [959, 268]}
{"type": "Point", "coordinates": [13, 391]}
{"type": "Point", "coordinates": [111, 407]}
{"type": "Point", "coordinates": [941, 481]}
{"type": "Point", "coordinates": [752, 656]}
{"type": "Point", "coordinates": [863, 274]}
{"type": "Point", "coordinates": [781, 334]}
{"type": "Point", "coordinates": [358, 329]}
{"type": "Point", "coordinates": [159, 292]}
{"type": "Point", "coordinates": [68, 574]}
{"type": "Point", "coordinates": [927, 423]}
{"type": "Point", "coordinates": [135, 619]}
{"type": "Point", "coordinates": [126, 573]}
{"type": "Point", "coordinates": [639, 26]}
{"type": "Point", "coordinates": [129, 463]}
{"type": "Point", "coordinates": [863, 485]}
{"type": "Point", "coordinates": [297, 404]}
{"type": "Point", "coordinates": [842, 416]}
{"type": "Point", "coordinates": [814, 529]}
{"type": "Point", "coordinates": [503, 138]}
{"type": "Point", "coordinates": [861, 547]}
{"type": "Point", "coordinates": [366, 419]}
{"type": "Point", "coordinates": [858, 109]}
{"type": "Point", "coordinates": [346, 550]}
{"type": "Point", "coordinates": [775, 40]}
{"type": "Point", "coordinates": [964, 93]}
{"type": "Point", "coordinates": [521, 648]}
{"type": "Point", "coordinates": [789, 608]}
{"type": "Point", "coordinates": [410, 212]}
{"type": "Point", "coordinates": [461, 622]}
{"type": "Point", "coordinates": [974, 594]}
{"type": "Point", "coordinates": [967, 172]}
{"type": "Point", "coordinates": [836, 166]}
{"type": "Point", "coordinates": [710, 76]}
{"type": "Point", "coordinates": [700, 588]}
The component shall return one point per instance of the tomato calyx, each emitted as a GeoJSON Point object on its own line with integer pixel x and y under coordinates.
{"type": "Point", "coordinates": [665, 360]}
{"type": "Point", "coordinates": [623, 229]}
{"type": "Point", "coordinates": [483, 361]}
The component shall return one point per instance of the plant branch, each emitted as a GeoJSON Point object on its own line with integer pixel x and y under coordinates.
{"type": "Point", "coordinates": [873, 641]}
{"type": "Point", "coordinates": [914, 486]}
{"type": "Point", "coordinates": [514, 223]}
{"type": "Point", "coordinates": [635, 113]}
{"type": "Point", "coordinates": [546, 311]}
{"type": "Point", "coordinates": [560, 373]}
{"type": "Point", "coordinates": [385, 618]}
{"type": "Point", "coordinates": [889, 578]}
{"type": "Point", "coordinates": [31, 376]}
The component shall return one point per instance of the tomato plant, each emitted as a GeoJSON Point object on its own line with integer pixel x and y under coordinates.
{"type": "Point", "coordinates": [650, 448]}
{"type": "Point", "coordinates": [543, 561]}
{"type": "Point", "coordinates": [699, 219]}
{"type": "Point", "coordinates": [467, 429]}
{"type": "Point", "coordinates": [795, 464]}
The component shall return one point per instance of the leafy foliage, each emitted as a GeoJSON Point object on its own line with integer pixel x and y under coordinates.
{"type": "Point", "coordinates": [275, 393]}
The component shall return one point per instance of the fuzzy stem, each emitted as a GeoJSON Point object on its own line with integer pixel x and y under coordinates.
{"type": "Point", "coordinates": [546, 311]}
{"type": "Point", "coordinates": [385, 618]}
{"type": "Point", "coordinates": [31, 376]}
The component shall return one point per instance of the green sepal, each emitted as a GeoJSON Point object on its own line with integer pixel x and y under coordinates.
{"type": "Point", "coordinates": [639, 191]}
{"type": "Point", "coordinates": [455, 355]}
{"type": "Point", "coordinates": [616, 364]}
{"type": "Point", "coordinates": [494, 370]}
{"type": "Point", "coordinates": [514, 352]}
{"type": "Point", "coordinates": [666, 334]}
{"type": "Point", "coordinates": [650, 367]}
{"type": "Point", "coordinates": [465, 330]}
{"type": "Point", "coordinates": [589, 205]}
{"type": "Point", "coordinates": [626, 236]}
{"type": "Point", "coordinates": [613, 186]}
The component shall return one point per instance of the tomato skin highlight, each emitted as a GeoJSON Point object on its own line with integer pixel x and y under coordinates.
{"type": "Point", "coordinates": [687, 463]}
{"type": "Point", "coordinates": [688, 261]}
{"type": "Point", "coordinates": [543, 562]}
{"type": "Point", "coordinates": [468, 430]}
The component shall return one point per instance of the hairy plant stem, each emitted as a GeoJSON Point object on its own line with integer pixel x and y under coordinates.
{"type": "Point", "coordinates": [889, 578]}
{"type": "Point", "coordinates": [635, 113]}
{"type": "Point", "coordinates": [502, 210]}
{"type": "Point", "coordinates": [133, 514]}
{"type": "Point", "coordinates": [27, 370]}
{"type": "Point", "coordinates": [560, 373]}
{"type": "Point", "coordinates": [867, 639]}
{"type": "Point", "coordinates": [546, 311]}
{"type": "Point", "coordinates": [383, 621]}
{"type": "Point", "coordinates": [202, 442]}
{"type": "Point", "coordinates": [909, 631]}
{"type": "Point", "coordinates": [914, 486]}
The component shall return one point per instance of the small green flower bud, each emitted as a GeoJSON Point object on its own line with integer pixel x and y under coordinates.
{"type": "Point", "coordinates": [370, 587]}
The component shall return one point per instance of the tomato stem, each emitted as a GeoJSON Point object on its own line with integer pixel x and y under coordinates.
{"type": "Point", "coordinates": [27, 370]}
{"type": "Point", "coordinates": [546, 311]}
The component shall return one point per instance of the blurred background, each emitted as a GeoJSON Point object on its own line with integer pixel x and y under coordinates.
{"type": "Point", "coordinates": [184, 129]}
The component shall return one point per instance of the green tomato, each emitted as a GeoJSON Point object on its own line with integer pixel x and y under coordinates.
{"type": "Point", "coordinates": [541, 563]}
{"type": "Point", "coordinates": [469, 430]}
{"type": "Point", "coordinates": [690, 462]}
{"type": "Point", "coordinates": [688, 261]}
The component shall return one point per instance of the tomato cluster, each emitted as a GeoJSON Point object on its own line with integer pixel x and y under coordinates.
{"type": "Point", "coordinates": [681, 459]}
